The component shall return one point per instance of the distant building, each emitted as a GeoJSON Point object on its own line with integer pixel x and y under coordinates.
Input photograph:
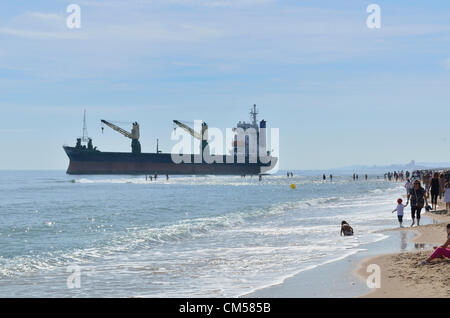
{"type": "Point", "coordinates": [411, 165]}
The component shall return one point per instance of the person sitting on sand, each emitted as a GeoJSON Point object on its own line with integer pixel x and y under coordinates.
{"type": "Point", "coordinates": [400, 207]}
{"type": "Point", "coordinates": [441, 251]}
{"type": "Point", "coordinates": [346, 229]}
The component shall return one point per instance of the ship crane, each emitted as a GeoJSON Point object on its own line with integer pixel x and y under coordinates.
{"type": "Point", "coordinates": [133, 135]}
{"type": "Point", "coordinates": [203, 135]}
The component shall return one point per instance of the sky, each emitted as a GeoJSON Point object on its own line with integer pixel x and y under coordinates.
{"type": "Point", "coordinates": [340, 93]}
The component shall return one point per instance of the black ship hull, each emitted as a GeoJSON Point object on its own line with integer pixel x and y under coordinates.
{"type": "Point", "coordinates": [84, 161]}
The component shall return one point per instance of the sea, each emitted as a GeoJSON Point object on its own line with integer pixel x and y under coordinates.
{"type": "Point", "coordinates": [188, 236]}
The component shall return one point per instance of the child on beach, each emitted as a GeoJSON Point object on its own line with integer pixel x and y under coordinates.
{"type": "Point", "coordinates": [400, 207]}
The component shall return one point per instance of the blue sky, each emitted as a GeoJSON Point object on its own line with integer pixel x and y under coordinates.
{"type": "Point", "coordinates": [339, 93]}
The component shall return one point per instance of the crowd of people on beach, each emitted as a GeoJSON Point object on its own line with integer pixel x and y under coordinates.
{"type": "Point", "coordinates": [420, 186]}
{"type": "Point", "coordinates": [396, 175]}
{"type": "Point", "coordinates": [436, 185]}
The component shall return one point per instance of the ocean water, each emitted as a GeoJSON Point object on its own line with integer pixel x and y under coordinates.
{"type": "Point", "coordinates": [191, 236]}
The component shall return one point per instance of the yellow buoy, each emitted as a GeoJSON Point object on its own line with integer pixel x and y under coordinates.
{"type": "Point", "coordinates": [292, 186]}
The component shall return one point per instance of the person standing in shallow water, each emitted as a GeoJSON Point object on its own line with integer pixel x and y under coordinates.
{"type": "Point", "coordinates": [324, 177]}
{"type": "Point", "coordinates": [399, 210]}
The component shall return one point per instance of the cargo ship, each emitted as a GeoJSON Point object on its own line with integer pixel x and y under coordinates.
{"type": "Point", "coordinates": [85, 159]}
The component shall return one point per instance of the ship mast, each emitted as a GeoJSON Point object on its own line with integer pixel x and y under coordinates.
{"type": "Point", "coordinates": [253, 114]}
{"type": "Point", "coordinates": [85, 137]}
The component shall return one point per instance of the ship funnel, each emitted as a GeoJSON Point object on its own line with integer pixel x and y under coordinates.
{"type": "Point", "coordinates": [262, 137]}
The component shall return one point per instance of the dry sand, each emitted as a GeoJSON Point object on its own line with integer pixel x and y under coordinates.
{"type": "Point", "coordinates": [400, 274]}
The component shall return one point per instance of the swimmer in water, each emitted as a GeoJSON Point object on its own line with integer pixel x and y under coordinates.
{"type": "Point", "coordinates": [346, 229]}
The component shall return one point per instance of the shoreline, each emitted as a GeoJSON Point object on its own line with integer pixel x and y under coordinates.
{"type": "Point", "coordinates": [345, 278]}
{"type": "Point", "coordinates": [337, 279]}
{"type": "Point", "coordinates": [401, 276]}
{"type": "Point", "coordinates": [334, 279]}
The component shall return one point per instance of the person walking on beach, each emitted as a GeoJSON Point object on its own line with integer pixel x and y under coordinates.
{"type": "Point", "coordinates": [346, 229]}
{"type": "Point", "coordinates": [407, 185]}
{"type": "Point", "coordinates": [435, 190]}
{"type": "Point", "coordinates": [442, 181]}
{"type": "Point", "coordinates": [447, 196]}
{"type": "Point", "coordinates": [400, 207]}
{"type": "Point", "coordinates": [427, 181]}
{"type": "Point", "coordinates": [441, 251]}
{"type": "Point", "coordinates": [418, 197]}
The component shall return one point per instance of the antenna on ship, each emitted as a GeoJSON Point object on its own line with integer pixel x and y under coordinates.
{"type": "Point", "coordinates": [157, 146]}
{"type": "Point", "coordinates": [85, 137]}
{"type": "Point", "coordinates": [253, 114]}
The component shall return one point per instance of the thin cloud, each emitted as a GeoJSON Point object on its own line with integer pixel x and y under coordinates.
{"type": "Point", "coordinates": [45, 16]}
{"type": "Point", "coordinates": [222, 3]}
{"type": "Point", "coordinates": [30, 34]}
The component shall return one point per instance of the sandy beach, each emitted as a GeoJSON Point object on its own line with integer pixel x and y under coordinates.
{"type": "Point", "coordinates": [400, 274]}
